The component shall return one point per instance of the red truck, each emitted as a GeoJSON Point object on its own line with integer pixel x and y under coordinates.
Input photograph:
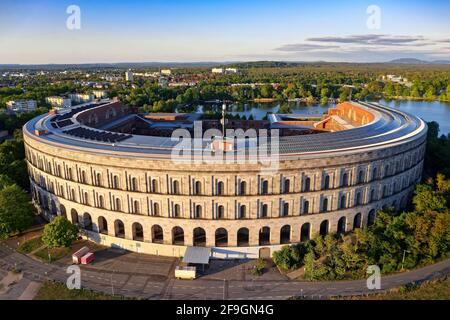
{"type": "Point", "coordinates": [87, 258]}
{"type": "Point", "coordinates": [76, 257]}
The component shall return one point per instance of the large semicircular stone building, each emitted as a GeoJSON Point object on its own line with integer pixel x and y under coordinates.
{"type": "Point", "coordinates": [110, 170]}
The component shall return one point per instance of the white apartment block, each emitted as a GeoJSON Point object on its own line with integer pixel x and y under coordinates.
{"type": "Point", "coordinates": [217, 70]}
{"type": "Point", "coordinates": [129, 76]}
{"type": "Point", "coordinates": [21, 105]}
{"type": "Point", "coordinates": [81, 97]}
{"type": "Point", "coordinates": [59, 102]}
{"type": "Point", "coordinates": [166, 72]}
{"type": "Point", "coordinates": [100, 94]}
{"type": "Point", "coordinates": [226, 70]}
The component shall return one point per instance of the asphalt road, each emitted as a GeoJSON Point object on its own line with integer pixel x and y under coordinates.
{"type": "Point", "coordinates": [148, 287]}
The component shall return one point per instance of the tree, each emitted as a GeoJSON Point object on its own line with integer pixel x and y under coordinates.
{"type": "Point", "coordinates": [60, 232]}
{"type": "Point", "coordinates": [5, 181]}
{"type": "Point", "coordinates": [426, 199]}
{"type": "Point", "coordinates": [287, 258]}
{"type": "Point", "coordinates": [16, 211]}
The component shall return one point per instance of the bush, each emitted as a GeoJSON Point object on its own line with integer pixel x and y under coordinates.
{"type": "Point", "coordinates": [259, 267]}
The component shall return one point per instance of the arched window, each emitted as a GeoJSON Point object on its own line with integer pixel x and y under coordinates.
{"type": "Point", "coordinates": [242, 237]}
{"type": "Point", "coordinates": [306, 207]}
{"type": "Point", "coordinates": [343, 203]}
{"type": "Point", "coordinates": [374, 174]}
{"type": "Point", "coordinates": [305, 232]}
{"type": "Point", "coordinates": [360, 176]}
{"type": "Point", "coordinates": [372, 195]}
{"type": "Point", "coordinates": [156, 209]}
{"type": "Point", "coordinates": [176, 187]}
{"type": "Point", "coordinates": [198, 211]}
{"type": "Point", "coordinates": [324, 228]}
{"type": "Point", "coordinates": [119, 229]}
{"type": "Point", "coordinates": [384, 193]}
{"type": "Point", "coordinates": [287, 186]}
{"type": "Point", "coordinates": [86, 198]}
{"type": "Point", "coordinates": [198, 187]}
{"type": "Point", "coordinates": [371, 218]}
{"type": "Point", "coordinates": [138, 232]}
{"type": "Point", "coordinates": [285, 234]}
{"type": "Point", "coordinates": [242, 212]}
{"type": "Point", "coordinates": [118, 205]}
{"type": "Point", "coordinates": [326, 183]}
{"type": "Point", "coordinates": [101, 202]}
{"type": "Point", "coordinates": [62, 211]}
{"type": "Point", "coordinates": [136, 207]}
{"type": "Point", "coordinates": [285, 210]}
{"type": "Point", "coordinates": [134, 184]}
{"type": "Point", "coordinates": [178, 236]}
{"type": "Point", "coordinates": [341, 227]}
{"type": "Point", "coordinates": [325, 205]}
{"type": "Point", "coordinates": [264, 236]}
{"type": "Point", "coordinates": [221, 237]}
{"type": "Point", "coordinates": [87, 221]}
{"type": "Point", "coordinates": [265, 187]}
{"type": "Point", "coordinates": [99, 179]}
{"type": "Point", "coordinates": [83, 176]}
{"type": "Point", "coordinates": [344, 180]}
{"type": "Point", "coordinates": [358, 200]}
{"type": "Point", "coordinates": [264, 211]}
{"type": "Point", "coordinates": [102, 225]}
{"type": "Point", "coordinates": [69, 174]}
{"type": "Point", "coordinates": [243, 188]}
{"type": "Point", "coordinates": [386, 171]}
{"type": "Point", "coordinates": [199, 237]}
{"type": "Point", "coordinates": [357, 221]}
{"type": "Point", "coordinates": [177, 211]}
{"type": "Point", "coordinates": [220, 212]}
{"type": "Point", "coordinates": [154, 186]}
{"type": "Point", "coordinates": [74, 216]}
{"type": "Point", "coordinates": [307, 185]}
{"type": "Point", "coordinates": [220, 188]}
{"type": "Point", "coordinates": [116, 184]}
{"type": "Point", "coordinates": [157, 234]}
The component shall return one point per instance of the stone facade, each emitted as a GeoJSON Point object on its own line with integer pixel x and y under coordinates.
{"type": "Point", "coordinates": [86, 186]}
{"type": "Point", "coordinates": [142, 201]}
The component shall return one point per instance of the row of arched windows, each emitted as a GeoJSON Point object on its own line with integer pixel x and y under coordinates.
{"type": "Point", "coordinates": [133, 183]}
{"type": "Point", "coordinates": [241, 212]}
{"type": "Point", "coordinates": [221, 234]}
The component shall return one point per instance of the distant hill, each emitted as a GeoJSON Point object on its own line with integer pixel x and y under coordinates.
{"type": "Point", "coordinates": [119, 65]}
{"type": "Point", "coordinates": [417, 61]}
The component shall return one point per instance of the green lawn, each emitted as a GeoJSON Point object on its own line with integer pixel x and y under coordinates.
{"type": "Point", "coordinates": [57, 291]}
{"type": "Point", "coordinates": [434, 290]}
{"type": "Point", "coordinates": [30, 245]}
{"type": "Point", "coordinates": [55, 254]}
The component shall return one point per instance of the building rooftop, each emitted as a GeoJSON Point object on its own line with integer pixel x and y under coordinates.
{"type": "Point", "coordinates": [386, 127]}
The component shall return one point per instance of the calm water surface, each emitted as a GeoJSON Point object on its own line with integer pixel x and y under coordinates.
{"type": "Point", "coordinates": [429, 111]}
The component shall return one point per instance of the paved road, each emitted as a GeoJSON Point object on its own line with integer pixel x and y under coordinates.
{"type": "Point", "coordinates": [150, 287]}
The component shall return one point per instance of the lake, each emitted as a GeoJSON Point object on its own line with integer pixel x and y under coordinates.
{"type": "Point", "coordinates": [427, 110]}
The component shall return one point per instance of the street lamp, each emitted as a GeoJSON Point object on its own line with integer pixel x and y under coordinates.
{"type": "Point", "coordinates": [224, 109]}
{"type": "Point", "coordinates": [112, 284]}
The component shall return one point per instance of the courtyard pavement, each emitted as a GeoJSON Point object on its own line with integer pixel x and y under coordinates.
{"type": "Point", "coordinates": [152, 277]}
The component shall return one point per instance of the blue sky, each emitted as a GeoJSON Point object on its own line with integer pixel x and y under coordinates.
{"type": "Point", "coordinates": [125, 31]}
